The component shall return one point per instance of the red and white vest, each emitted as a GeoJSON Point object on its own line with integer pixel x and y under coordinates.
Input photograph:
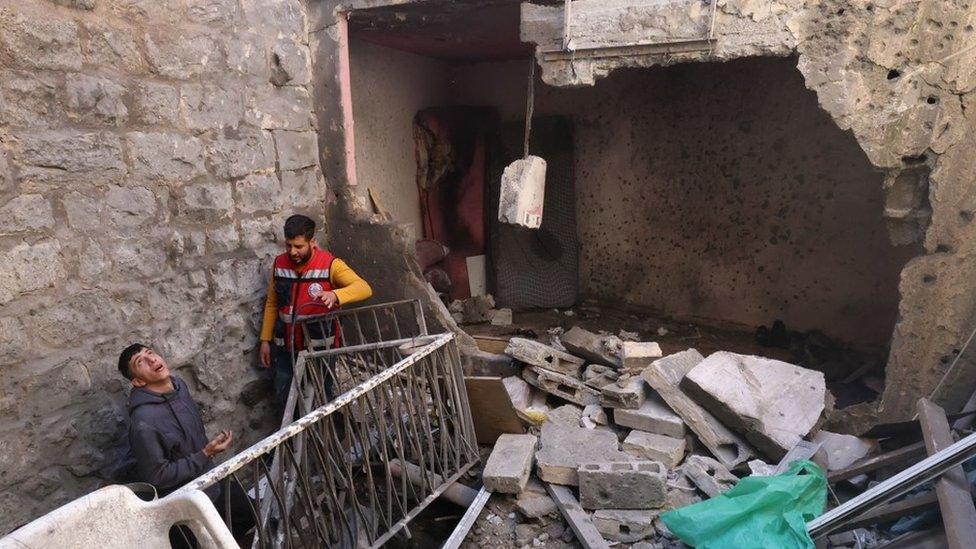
{"type": "Point", "coordinates": [298, 299]}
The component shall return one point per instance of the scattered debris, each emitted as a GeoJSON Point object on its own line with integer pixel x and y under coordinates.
{"type": "Point", "coordinates": [590, 346]}
{"type": "Point", "coordinates": [536, 354]}
{"type": "Point", "coordinates": [563, 386]}
{"type": "Point", "coordinates": [709, 475]}
{"type": "Point", "coordinates": [841, 451]}
{"type": "Point", "coordinates": [627, 392]}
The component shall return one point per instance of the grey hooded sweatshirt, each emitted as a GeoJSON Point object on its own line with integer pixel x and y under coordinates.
{"type": "Point", "coordinates": [167, 438]}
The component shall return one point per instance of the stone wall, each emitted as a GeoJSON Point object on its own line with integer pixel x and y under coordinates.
{"type": "Point", "coordinates": [149, 151]}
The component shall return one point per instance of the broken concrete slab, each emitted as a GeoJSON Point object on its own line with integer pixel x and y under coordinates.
{"type": "Point", "coordinates": [623, 485]}
{"type": "Point", "coordinates": [593, 415]}
{"type": "Point", "coordinates": [586, 344]}
{"type": "Point", "coordinates": [627, 392]}
{"type": "Point", "coordinates": [709, 475]}
{"type": "Point", "coordinates": [534, 502]}
{"type": "Point", "coordinates": [664, 376]}
{"type": "Point", "coordinates": [510, 463]}
{"type": "Point", "coordinates": [529, 403]}
{"type": "Point", "coordinates": [624, 525]}
{"type": "Point", "coordinates": [598, 375]}
{"type": "Point", "coordinates": [567, 414]}
{"type": "Point", "coordinates": [666, 450]}
{"type": "Point", "coordinates": [635, 355]}
{"type": "Point", "coordinates": [563, 386]}
{"type": "Point", "coordinates": [774, 404]}
{"type": "Point", "coordinates": [536, 354]}
{"type": "Point", "coordinates": [564, 447]}
{"type": "Point", "coordinates": [842, 451]}
{"type": "Point", "coordinates": [654, 416]}
{"type": "Point", "coordinates": [523, 192]}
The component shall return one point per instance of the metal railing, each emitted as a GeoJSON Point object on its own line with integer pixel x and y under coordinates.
{"type": "Point", "coordinates": [370, 324]}
{"type": "Point", "coordinates": [337, 477]}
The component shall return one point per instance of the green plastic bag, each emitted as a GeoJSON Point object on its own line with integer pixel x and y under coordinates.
{"type": "Point", "coordinates": [759, 512]}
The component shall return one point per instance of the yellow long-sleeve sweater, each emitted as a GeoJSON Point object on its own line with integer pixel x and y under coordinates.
{"type": "Point", "coordinates": [348, 288]}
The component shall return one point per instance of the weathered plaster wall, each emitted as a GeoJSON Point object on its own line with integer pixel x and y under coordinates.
{"type": "Point", "coordinates": [388, 88]}
{"type": "Point", "coordinates": [703, 195]}
{"type": "Point", "coordinates": [146, 163]}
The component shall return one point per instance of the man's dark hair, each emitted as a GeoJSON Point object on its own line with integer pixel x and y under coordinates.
{"type": "Point", "coordinates": [126, 357]}
{"type": "Point", "coordinates": [299, 225]}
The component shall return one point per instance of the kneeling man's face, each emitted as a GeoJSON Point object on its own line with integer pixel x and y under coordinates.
{"type": "Point", "coordinates": [147, 367]}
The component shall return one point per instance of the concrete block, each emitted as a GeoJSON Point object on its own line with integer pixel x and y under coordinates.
{"type": "Point", "coordinates": [523, 192]}
{"type": "Point", "coordinates": [709, 475]}
{"type": "Point", "coordinates": [564, 447]}
{"type": "Point", "coordinates": [625, 525]}
{"type": "Point", "coordinates": [536, 354]}
{"type": "Point", "coordinates": [664, 376]}
{"type": "Point", "coordinates": [623, 485]}
{"type": "Point", "coordinates": [501, 317]}
{"type": "Point", "coordinates": [598, 375]}
{"type": "Point", "coordinates": [534, 502]}
{"type": "Point", "coordinates": [666, 450]}
{"type": "Point", "coordinates": [586, 344]}
{"type": "Point", "coordinates": [510, 463]}
{"type": "Point", "coordinates": [637, 355]}
{"type": "Point", "coordinates": [841, 451]}
{"type": "Point", "coordinates": [562, 386]}
{"type": "Point", "coordinates": [628, 392]}
{"type": "Point", "coordinates": [774, 413]}
{"type": "Point", "coordinates": [654, 416]}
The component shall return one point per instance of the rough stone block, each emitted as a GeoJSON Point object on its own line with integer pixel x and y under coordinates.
{"type": "Point", "coordinates": [625, 526]}
{"type": "Point", "coordinates": [543, 356]}
{"type": "Point", "coordinates": [627, 392]}
{"type": "Point", "coordinates": [211, 106]}
{"type": "Point", "coordinates": [534, 502]}
{"type": "Point", "coordinates": [841, 450]}
{"type": "Point", "coordinates": [30, 267]}
{"type": "Point", "coordinates": [181, 55]}
{"type": "Point", "coordinates": [130, 206]}
{"type": "Point", "coordinates": [296, 150]}
{"type": "Point", "coordinates": [259, 192]}
{"type": "Point", "coordinates": [242, 153]}
{"type": "Point", "coordinates": [590, 346]}
{"type": "Point", "coordinates": [53, 157]}
{"type": "Point", "coordinates": [95, 100]}
{"type": "Point", "coordinates": [636, 355]}
{"type": "Point", "coordinates": [110, 46]}
{"type": "Point", "coordinates": [208, 201]}
{"type": "Point", "coordinates": [561, 385]}
{"type": "Point", "coordinates": [165, 156]}
{"type": "Point", "coordinates": [666, 450]}
{"type": "Point", "coordinates": [156, 103]}
{"type": "Point", "coordinates": [30, 99]}
{"type": "Point", "coordinates": [664, 376]}
{"type": "Point", "coordinates": [39, 42]}
{"type": "Point", "coordinates": [709, 475]}
{"type": "Point", "coordinates": [523, 190]}
{"type": "Point", "coordinates": [623, 485]}
{"type": "Point", "coordinates": [564, 447]}
{"type": "Point", "coordinates": [273, 108]}
{"type": "Point", "coordinates": [216, 12]}
{"type": "Point", "coordinates": [773, 414]}
{"type": "Point", "coordinates": [510, 463]}
{"type": "Point", "coordinates": [654, 416]}
{"type": "Point", "coordinates": [290, 64]}
{"type": "Point", "coordinates": [302, 187]}
{"type": "Point", "coordinates": [26, 212]}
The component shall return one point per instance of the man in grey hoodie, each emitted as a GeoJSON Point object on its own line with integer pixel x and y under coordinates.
{"type": "Point", "coordinates": [167, 436]}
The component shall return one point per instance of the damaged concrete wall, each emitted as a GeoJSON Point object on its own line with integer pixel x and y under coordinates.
{"type": "Point", "coordinates": [148, 153]}
{"type": "Point", "coordinates": [899, 75]}
{"type": "Point", "coordinates": [388, 88]}
{"type": "Point", "coordinates": [744, 203]}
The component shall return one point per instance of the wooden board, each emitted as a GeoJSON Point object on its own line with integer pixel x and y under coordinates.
{"type": "Point", "coordinates": [490, 344]}
{"type": "Point", "coordinates": [491, 409]}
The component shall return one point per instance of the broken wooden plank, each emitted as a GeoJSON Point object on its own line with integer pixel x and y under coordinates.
{"type": "Point", "coordinates": [491, 409]}
{"type": "Point", "coordinates": [877, 462]}
{"type": "Point", "coordinates": [955, 498]}
{"type": "Point", "coordinates": [578, 519]}
{"type": "Point", "coordinates": [467, 521]}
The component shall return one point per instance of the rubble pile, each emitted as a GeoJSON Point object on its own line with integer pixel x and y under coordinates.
{"type": "Point", "coordinates": [619, 434]}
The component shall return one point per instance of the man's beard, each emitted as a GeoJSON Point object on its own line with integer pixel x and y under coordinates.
{"type": "Point", "coordinates": [303, 259]}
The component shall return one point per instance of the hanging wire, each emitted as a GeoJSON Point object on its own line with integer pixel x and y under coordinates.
{"type": "Point", "coordinates": [529, 106]}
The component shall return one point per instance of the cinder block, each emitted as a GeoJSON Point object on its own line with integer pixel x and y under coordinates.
{"type": "Point", "coordinates": [510, 463]}
{"type": "Point", "coordinates": [536, 354]}
{"type": "Point", "coordinates": [623, 485]}
{"type": "Point", "coordinates": [654, 416]}
{"type": "Point", "coordinates": [598, 375]}
{"type": "Point", "coordinates": [625, 526]}
{"type": "Point", "coordinates": [628, 392]}
{"type": "Point", "coordinates": [562, 386]}
{"type": "Point", "coordinates": [666, 450]}
{"type": "Point", "coordinates": [709, 475]}
{"type": "Point", "coordinates": [636, 355]}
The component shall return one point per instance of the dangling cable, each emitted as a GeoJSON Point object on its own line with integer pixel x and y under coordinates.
{"type": "Point", "coordinates": [529, 106]}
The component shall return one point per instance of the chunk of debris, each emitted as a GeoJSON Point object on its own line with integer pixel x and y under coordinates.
{"type": "Point", "coordinates": [666, 450]}
{"type": "Point", "coordinates": [510, 463]}
{"type": "Point", "coordinates": [664, 376]}
{"type": "Point", "coordinates": [635, 356]}
{"type": "Point", "coordinates": [564, 447]}
{"type": "Point", "coordinates": [473, 310]}
{"type": "Point", "coordinates": [523, 192]}
{"type": "Point", "coordinates": [529, 404]}
{"type": "Point", "coordinates": [593, 415]}
{"type": "Point", "coordinates": [598, 375]}
{"type": "Point", "coordinates": [563, 386]}
{"type": "Point", "coordinates": [534, 502]}
{"type": "Point", "coordinates": [760, 468]}
{"type": "Point", "coordinates": [567, 414]}
{"type": "Point", "coordinates": [539, 355]}
{"type": "Point", "coordinates": [653, 416]}
{"type": "Point", "coordinates": [586, 344]}
{"type": "Point", "coordinates": [773, 403]}
{"type": "Point", "coordinates": [625, 526]}
{"type": "Point", "coordinates": [709, 475]}
{"type": "Point", "coordinates": [501, 317]}
{"type": "Point", "coordinates": [681, 493]}
{"type": "Point", "coordinates": [625, 336]}
{"type": "Point", "coordinates": [627, 392]}
{"type": "Point", "coordinates": [842, 451]}
{"type": "Point", "coordinates": [623, 485]}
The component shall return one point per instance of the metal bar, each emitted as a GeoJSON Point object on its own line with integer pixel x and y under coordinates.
{"type": "Point", "coordinates": [678, 46]}
{"type": "Point", "coordinates": [892, 511]}
{"type": "Point", "coordinates": [952, 489]}
{"type": "Point", "coordinates": [877, 462]}
{"type": "Point", "coordinates": [895, 486]}
{"type": "Point", "coordinates": [467, 520]}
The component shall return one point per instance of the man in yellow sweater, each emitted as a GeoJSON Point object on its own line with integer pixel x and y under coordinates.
{"type": "Point", "coordinates": [305, 281]}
